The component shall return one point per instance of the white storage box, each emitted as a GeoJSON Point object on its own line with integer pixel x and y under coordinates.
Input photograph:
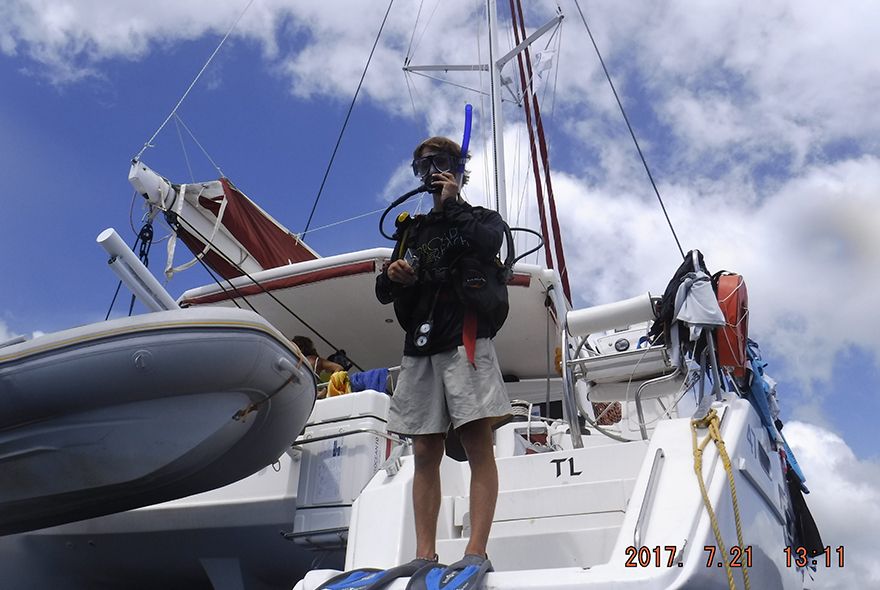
{"type": "Point", "coordinates": [342, 448]}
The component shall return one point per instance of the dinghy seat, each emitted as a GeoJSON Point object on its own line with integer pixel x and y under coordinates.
{"type": "Point", "coordinates": [621, 366]}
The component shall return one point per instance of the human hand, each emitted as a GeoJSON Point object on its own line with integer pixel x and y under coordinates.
{"type": "Point", "coordinates": [401, 272]}
{"type": "Point", "coordinates": [447, 183]}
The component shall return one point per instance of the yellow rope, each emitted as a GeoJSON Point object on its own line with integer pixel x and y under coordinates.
{"type": "Point", "coordinates": [712, 422]}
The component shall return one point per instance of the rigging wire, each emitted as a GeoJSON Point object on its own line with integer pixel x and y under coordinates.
{"type": "Point", "coordinates": [556, 50]}
{"type": "Point", "coordinates": [224, 289]}
{"type": "Point", "coordinates": [347, 117]}
{"type": "Point", "coordinates": [417, 96]}
{"type": "Point", "coordinates": [517, 180]}
{"type": "Point", "coordinates": [531, 83]}
{"type": "Point", "coordinates": [556, 73]}
{"type": "Point", "coordinates": [542, 145]}
{"type": "Point", "coordinates": [450, 82]}
{"type": "Point", "coordinates": [173, 112]}
{"type": "Point", "coordinates": [143, 242]}
{"type": "Point", "coordinates": [413, 36]}
{"type": "Point", "coordinates": [113, 301]}
{"type": "Point", "coordinates": [533, 148]}
{"type": "Point", "coordinates": [134, 195]}
{"type": "Point", "coordinates": [547, 83]}
{"type": "Point", "coordinates": [201, 147]}
{"type": "Point", "coordinates": [558, 38]}
{"type": "Point", "coordinates": [487, 191]}
{"type": "Point", "coordinates": [341, 221]}
{"type": "Point", "coordinates": [173, 221]}
{"type": "Point", "coordinates": [227, 259]}
{"type": "Point", "coordinates": [425, 29]}
{"type": "Point", "coordinates": [406, 60]}
{"type": "Point", "coordinates": [631, 132]}
{"type": "Point", "coordinates": [409, 85]}
{"type": "Point", "coordinates": [192, 177]}
{"type": "Point", "coordinates": [146, 238]}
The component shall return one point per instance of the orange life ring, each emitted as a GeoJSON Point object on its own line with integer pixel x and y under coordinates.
{"type": "Point", "coordinates": [731, 339]}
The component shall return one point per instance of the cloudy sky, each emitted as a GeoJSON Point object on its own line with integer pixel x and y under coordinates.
{"type": "Point", "coordinates": [758, 120]}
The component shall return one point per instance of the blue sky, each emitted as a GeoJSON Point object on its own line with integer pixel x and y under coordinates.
{"type": "Point", "coordinates": [759, 122]}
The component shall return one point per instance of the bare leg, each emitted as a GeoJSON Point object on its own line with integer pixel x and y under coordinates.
{"type": "Point", "coordinates": [428, 451]}
{"type": "Point", "coordinates": [476, 438]}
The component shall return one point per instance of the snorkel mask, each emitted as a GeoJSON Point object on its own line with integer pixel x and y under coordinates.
{"type": "Point", "coordinates": [425, 167]}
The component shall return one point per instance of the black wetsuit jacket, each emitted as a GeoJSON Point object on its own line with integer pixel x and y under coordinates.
{"type": "Point", "coordinates": [439, 240]}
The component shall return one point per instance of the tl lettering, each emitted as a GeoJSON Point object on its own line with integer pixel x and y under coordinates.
{"type": "Point", "coordinates": [558, 463]}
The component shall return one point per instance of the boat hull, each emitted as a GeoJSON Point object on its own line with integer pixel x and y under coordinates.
{"type": "Point", "coordinates": [232, 535]}
{"type": "Point", "coordinates": [133, 412]}
{"type": "Point", "coordinates": [607, 515]}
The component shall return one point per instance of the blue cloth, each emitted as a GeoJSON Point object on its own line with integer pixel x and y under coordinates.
{"type": "Point", "coordinates": [758, 394]}
{"type": "Point", "coordinates": [376, 379]}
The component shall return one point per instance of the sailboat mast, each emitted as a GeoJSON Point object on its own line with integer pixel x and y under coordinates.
{"type": "Point", "coordinates": [494, 67]}
{"type": "Point", "coordinates": [495, 112]}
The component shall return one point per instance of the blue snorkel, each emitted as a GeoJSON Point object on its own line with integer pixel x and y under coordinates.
{"type": "Point", "coordinates": [466, 138]}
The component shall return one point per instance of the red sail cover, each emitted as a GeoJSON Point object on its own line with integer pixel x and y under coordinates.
{"type": "Point", "coordinates": [270, 244]}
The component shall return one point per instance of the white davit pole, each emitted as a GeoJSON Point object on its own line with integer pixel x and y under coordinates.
{"type": "Point", "coordinates": [134, 274]}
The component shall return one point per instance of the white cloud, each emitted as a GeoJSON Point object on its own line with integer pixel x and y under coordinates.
{"type": "Point", "coordinates": [804, 251]}
{"type": "Point", "coordinates": [715, 73]}
{"type": "Point", "coordinates": [70, 38]}
{"type": "Point", "coordinates": [758, 120]}
{"type": "Point", "coordinates": [845, 501]}
{"type": "Point", "coordinates": [786, 72]}
{"type": "Point", "coordinates": [5, 333]}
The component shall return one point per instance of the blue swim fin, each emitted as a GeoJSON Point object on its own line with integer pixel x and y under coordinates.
{"type": "Point", "coordinates": [374, 579]}
{"type": "Point", "coordinates": [465, 574]}
{"type": "Point", "coordinates": [426, 578]}
{"type": "Point", "coordinates": [352, 579]}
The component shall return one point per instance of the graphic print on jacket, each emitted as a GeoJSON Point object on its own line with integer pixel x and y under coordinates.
{"type": "Point", "coordinates": [438, 240]}
{"type": "Point", "coordinates": [432, 255]}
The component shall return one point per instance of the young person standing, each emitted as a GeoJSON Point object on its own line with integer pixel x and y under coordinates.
{"type": "Point", "coordinates": [449, 371]}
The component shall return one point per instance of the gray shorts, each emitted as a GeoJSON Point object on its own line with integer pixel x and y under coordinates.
{"type": "Point", "coordinates": [435, 391]}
